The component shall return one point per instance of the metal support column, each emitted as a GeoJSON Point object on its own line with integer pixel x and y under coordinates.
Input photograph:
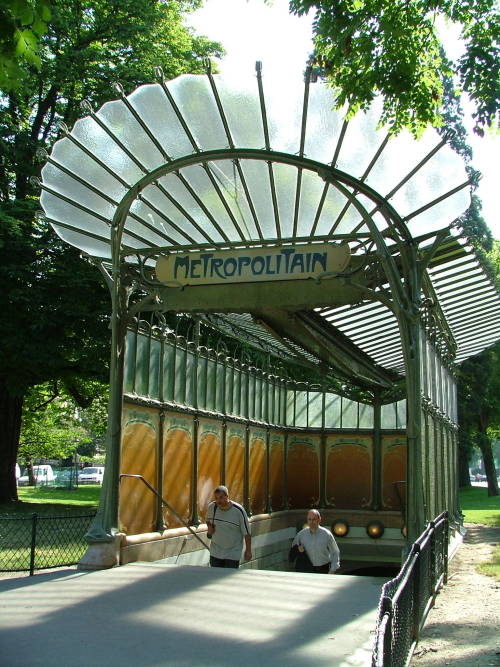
{"type": "Point", "coordinates": [105, 524]}
{"type": "Point", "coordinates": [377, 454]}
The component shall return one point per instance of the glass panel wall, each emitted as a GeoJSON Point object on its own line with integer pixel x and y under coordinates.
{"type": "Point", "coordinates": [169, 370]}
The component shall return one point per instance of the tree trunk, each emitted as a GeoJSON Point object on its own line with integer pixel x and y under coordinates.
{"type": "Point", "coordinates": [31, 474]}
{"type": "Point", "coordinates": [489, 464]}
{"type": "Point", "coordinates": [463, 469]}
{"type": "Point", "coordinates": [10, 428]}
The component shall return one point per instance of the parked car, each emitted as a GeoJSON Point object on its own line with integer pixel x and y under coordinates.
{"type": "Point", "coordinates": [91, 475]}
{"type": "Point", "coordinates": [43, 474]}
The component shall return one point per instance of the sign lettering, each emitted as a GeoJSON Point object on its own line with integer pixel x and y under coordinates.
{"type": "Point", "coordinates": [252, 264]}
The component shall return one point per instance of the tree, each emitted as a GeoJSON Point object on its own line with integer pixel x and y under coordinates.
{"type": "Point", "coordinates": [22, 23]}
{"type": "Point", "coordinates": [479, 408]}
{"type": "Point", "coordinates": [474, 372]}
{"type": "Point", "coordinates": [392, 47]}
{"type": "Point", "coordinates": [94, 420]}
{"type": "Point", "coordinates": [54, 324]}
{"type": "Point", "coordinates": [50, 427]}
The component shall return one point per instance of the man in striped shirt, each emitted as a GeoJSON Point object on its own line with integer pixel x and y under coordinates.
{"type": "Point", "coordinates": [319, 544]}
{"type": "Point", "coordinates": [227, 528]}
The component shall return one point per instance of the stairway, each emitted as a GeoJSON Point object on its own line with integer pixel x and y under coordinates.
{"type": "Point", "coordinates": [153, 614]}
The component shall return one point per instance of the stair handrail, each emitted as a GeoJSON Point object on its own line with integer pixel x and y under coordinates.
{"type": "Point", "coordinates": [151, 488]}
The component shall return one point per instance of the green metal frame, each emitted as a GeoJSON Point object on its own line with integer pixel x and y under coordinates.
{"type": "Point", "coordinates": [405, 283]}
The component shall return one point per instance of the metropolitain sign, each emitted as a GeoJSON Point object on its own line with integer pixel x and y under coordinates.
{"type": "Point", "coordinates": [250, 265]}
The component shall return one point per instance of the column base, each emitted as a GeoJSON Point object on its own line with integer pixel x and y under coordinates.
{"type": "Point", "coordinates": [102, 555]}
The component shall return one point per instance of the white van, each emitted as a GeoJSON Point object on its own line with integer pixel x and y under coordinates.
{"type": "Point", "coordinates": [91, 475]}
{"type": "Point", "coordinates": [43, 474]}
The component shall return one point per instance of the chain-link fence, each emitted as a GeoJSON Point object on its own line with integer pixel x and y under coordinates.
{"type": "Point", "coordinates": [41, 542]}
{"type": "Point", "coordinates": [406, 599]}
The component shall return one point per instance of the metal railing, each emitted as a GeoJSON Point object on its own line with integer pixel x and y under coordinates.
{"type": "Point", "coordinates": [164, 502]}
{"type": "Point", "coordinates": [39, 542]}
{"type": "Point", "coordinates": [407, 599]}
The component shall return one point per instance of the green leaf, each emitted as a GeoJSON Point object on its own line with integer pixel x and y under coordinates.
{"type": "Point", "coordinates": [27, 16]}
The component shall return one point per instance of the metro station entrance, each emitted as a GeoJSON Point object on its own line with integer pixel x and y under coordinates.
{"type": "Point", "coordinates": [289, 291]}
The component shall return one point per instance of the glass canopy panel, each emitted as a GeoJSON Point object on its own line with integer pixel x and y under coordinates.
{"type": "Point", "coordinates": [285, 183]}
{"type": "Point", "coordinates": [122, 124]}
{"type": "Point", "coordinates": [197, 105]}
{"type": "Point", "coordinates": [145, 231]}
{"type": "Point", "coordinates": [198, 223]}
{"type": "Point", "coordinates": [366, 413]}
{"type": "Point", "coordinates": [256, 174]}
{"type": "Point", "coordinates": [474, 295]}
{"type": "Point", "coordinates": [310, 196]}
{"type": "Point", "coordinates": [86, 244]}
{"type": "Point", "coordinates": [64, 212]}
{"type": "Point", "coordinates": [436, 178]}
{"type": "Point", "coordinates": [284, 114]}
{"type": "Point", "coordinates": [242, 110]}
{"type": "Point", "coordinates": [100, 144]}
{"type": "Point", "coordinates": [349, 413]}
{"type": "Point", "coordinates": [315, 409]}
{"type": "Point", "coordinates": [165, 197]}
{"type": "Point", "coordinates": [362, 140]}
{"type": "Point", "coordinates": [153, 107]}
{"type": "Point", "coordinates": [213, 200]}
{"type": "Point", "coordinates": [233, 185]}
{"type": "Point", "coordinates": [323, 125]}
{"type": "Point", "coordinates": [74, 190]}
{"type": "Point", "coordinates": [386, 173]}
{"type": "Point", "coordinates": [332, 410]}
{"type": "Point", "coordinates": [75, 160]}
{"type": "Point", "coordinates": [358, 222]}
{"type": "Point", "coordinates": [135, 241]}
{"type": "Point", "coordinates": [336, 216]}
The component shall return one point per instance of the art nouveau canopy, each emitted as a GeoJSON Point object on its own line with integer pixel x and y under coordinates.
{"type": "Point", "coordinates": [255, 205]}
{"type": "Point", "coordinates": [207, 163]}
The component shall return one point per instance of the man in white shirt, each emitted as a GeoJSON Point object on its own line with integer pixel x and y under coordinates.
{"type": "Point", "coordinates": [319, 544]}
{"type": "Point", "coordinates": [227, 527]}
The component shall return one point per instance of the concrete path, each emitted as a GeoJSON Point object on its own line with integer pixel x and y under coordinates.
{"type": "Point", "coordinates": [151, 615]}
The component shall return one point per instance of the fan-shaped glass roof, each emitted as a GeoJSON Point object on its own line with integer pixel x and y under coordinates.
{"type": "Point", "coordinates": [210, 162]}
{"type": "Point", "coordinates": [200, 146]}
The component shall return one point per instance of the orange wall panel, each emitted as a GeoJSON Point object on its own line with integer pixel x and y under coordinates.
{"type": "Point", "coordinates": [177, 468]}
{"type": "Point", "coordinates": [303, 470]}
{"type": "Point", "coordinates": [257, 471]}
{"type": "Point", "coordinates": [393, 470]}
{"type": "Point", "coordinates": [349, 471]}
{"type": "Point", "coordinates": [209, 462]}
{"type": "Point", "coordinates": [235, 461]}
{"type": "Point", "coordinates": [137, 504]}
{"type": "Point", "coordinates": [277, 471]}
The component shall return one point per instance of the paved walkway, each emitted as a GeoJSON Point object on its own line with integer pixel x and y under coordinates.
{"type": "Point", "coordinates": [151, 615]}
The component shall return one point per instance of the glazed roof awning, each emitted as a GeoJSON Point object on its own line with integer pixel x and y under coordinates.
{"type": "Point", "coordinates": [206, 162]}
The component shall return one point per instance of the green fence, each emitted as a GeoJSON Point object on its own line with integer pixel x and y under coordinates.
{"type": "Point", "coordinates": [36, 542]}
{"type": "Point", "coordinates": [407, 599]}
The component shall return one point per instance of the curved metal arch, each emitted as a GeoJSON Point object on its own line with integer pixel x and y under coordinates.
{"type": "Point", "coordinates": [334, 176]}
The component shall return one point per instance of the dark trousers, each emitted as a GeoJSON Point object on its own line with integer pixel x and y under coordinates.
{"type": "Point", "coordinates": [322, 569]}
{"type": "Point", "coordinates": [223, 562]}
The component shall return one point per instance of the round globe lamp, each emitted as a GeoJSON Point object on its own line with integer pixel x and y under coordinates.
{"type": "Point", "coordinates": [340, 528]}
{"type": "Point", "coordinates": [375, 529]}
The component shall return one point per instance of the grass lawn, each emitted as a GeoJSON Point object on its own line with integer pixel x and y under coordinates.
{"type": "Point", "coordinates": [492, 567]}
{"type": "Point", "coordinates": [478, 507]}
{"type": "Point", "coordinates": [64, 516]}
{"type": "Point", "coordinates": [50, 501]}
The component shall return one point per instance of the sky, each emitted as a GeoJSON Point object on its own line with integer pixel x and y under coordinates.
{"type": "Point", "coordinates": [251, 30]}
